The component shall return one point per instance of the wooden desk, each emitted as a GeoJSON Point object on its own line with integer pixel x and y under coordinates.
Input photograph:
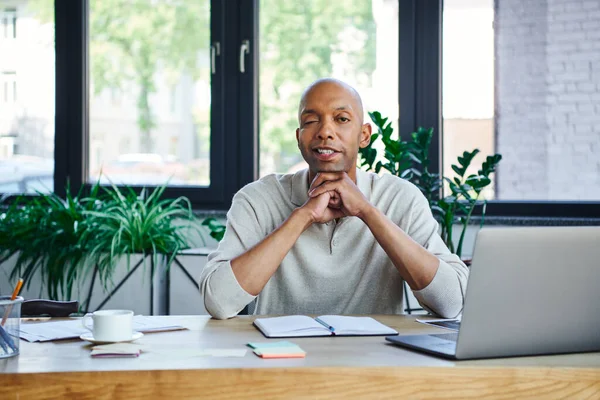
{"type": "Point", "coordinates": [335, 367]}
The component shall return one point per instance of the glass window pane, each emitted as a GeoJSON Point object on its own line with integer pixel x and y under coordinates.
{"type": "Point", "coordinates": [150, 92]}
{"type": "Point", "coordinates": [468, 83]}
{"type": "Point", "coordinates": [545, 84]}
{"type": "Point", "coordinates": [27, 97]}
{"type": "Point", "coordinates": [355, 41]}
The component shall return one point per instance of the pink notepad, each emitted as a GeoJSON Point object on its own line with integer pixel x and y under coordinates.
{"type": "Point", "coordinates": [283, 355]}
{"type": "Point", "coordinates": [280, 352]}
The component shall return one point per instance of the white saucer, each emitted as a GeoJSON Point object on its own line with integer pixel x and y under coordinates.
{"type": "Point", "coordinates": [90, 338]}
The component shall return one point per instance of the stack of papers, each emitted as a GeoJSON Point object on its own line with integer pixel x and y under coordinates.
{"type": "Point", "coordinates": [116, 350]}
{"type": "Point", "coordinates": [57, 330]}
{"type": "Point", "coordinates": [277, 350]}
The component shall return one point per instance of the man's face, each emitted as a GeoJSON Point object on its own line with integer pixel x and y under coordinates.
{"type": "Point", "coordinates": [331, 129]}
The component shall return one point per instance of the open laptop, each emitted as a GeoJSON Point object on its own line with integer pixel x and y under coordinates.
{"type": "Point", "coordinates": [531, 291]}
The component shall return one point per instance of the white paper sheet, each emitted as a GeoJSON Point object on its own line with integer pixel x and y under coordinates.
{"type": "Point", "coordinates": [57, 330]}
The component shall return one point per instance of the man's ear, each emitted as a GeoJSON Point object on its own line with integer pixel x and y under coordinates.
{"type": "Point", "coordinates": [365, 136]}
{"type": "Point", "coordinates": [298, 136]}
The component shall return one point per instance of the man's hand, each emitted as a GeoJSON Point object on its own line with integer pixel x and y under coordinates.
{"type": "Point", "coordinates": [320, 212]}
{"type": "Point", "coordinates": [344, 194]}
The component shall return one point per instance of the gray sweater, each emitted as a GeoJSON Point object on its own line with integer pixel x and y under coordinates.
{"type": "Point", "coordinates": [334, 268]}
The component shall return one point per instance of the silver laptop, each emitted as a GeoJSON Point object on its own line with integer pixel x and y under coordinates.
{"type": "Point", "coordinates": [531, 291]}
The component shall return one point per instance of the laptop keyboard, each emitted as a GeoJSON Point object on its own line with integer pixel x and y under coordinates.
{"type": "Point", "coordinates": [447, 336]}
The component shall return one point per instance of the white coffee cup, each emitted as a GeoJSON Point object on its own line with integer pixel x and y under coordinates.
{"type": "Point", "coordinates": [110, 325]}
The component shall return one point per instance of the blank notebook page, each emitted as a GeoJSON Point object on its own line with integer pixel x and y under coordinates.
{"type": "Point", "coordinates": [297, 324]}
{"type": "Point", "coordinates": [356, 325]}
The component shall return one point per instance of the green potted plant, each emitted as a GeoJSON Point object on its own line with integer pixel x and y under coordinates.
{"type": "Point", "coordinates": [44, 234]}
{"type": "Point", "coordinates": [130, 224]}
{"type": "Point", "coordinates": [63, 240]}
{"type": "Point", "coordinates": [410, 160]}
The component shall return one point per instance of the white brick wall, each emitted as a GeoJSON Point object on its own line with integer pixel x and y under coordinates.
{"type": "Point", "coordinates": [548, 99]}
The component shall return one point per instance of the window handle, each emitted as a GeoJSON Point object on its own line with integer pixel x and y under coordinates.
{"type": "Point", "coordinates": [244, 49]}
{"type": "Point", "coordinates": [215, 50]}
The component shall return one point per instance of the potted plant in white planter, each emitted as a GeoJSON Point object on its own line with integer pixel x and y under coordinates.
{"type": "Point", "coordinates": [67, 242]}
{"type": "Point", "coordinates": [44, 234]}
{"type": "Point", "coordinates": [128, 224]}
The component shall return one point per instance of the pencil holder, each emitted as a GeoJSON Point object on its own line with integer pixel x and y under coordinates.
{"type": "Point", "coordinates": [10, 312]}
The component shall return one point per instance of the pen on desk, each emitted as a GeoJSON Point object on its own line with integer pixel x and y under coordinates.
{"type": "Point", "coordinates": [14, 296]}
{"type": "Point", "coordinates": [6, 338]}
{"type": "Point", "coordinates": [3, 346]}
{"type": "Point", "coordinates": [331, 328]}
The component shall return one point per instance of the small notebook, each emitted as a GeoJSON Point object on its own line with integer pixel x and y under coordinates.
{"type": "Point", "coordinates": [116, 350]}
{"type": "Point", "coordinates": [277, 350]}
{"type": "Point", "coordinates": [324, 325]}
{"type": "Point", "coordinates": [280, 352]}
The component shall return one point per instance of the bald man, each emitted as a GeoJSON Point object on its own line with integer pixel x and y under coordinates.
{"type": "Point", "coordinates": [331, 239]}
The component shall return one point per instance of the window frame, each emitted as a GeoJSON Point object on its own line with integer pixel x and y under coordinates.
{"type": "Point", "coordinates": [230, 166]}
{"type": "Point", "coordinates": [234, 104]}
{"type": "Point", "coordinates": [420, 95]}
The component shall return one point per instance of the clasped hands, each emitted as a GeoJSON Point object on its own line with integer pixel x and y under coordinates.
{"type": "Point", "coordinates": [334, 195]}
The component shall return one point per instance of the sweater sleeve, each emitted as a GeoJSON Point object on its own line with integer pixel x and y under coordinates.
{"type": "Point", "coordinates": [223, 295]}
{"type": "Point", "coordinates": [445, 294]}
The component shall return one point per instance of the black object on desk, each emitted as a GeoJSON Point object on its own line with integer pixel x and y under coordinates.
{"type": "Point", "coordinates": [51, 308]}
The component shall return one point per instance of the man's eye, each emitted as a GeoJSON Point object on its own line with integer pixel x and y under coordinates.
{"type": "Point", "coordinates": [344, 119]}
{"type": "Point", "coordinates": [308, 122]}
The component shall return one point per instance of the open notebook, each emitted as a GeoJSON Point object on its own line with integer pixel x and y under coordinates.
{"type": "Point", "coordinates": [324, 325]}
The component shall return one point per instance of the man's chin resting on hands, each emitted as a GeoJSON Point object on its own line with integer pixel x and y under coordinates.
{"type": "Point", "coordinates": [331, 239]}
